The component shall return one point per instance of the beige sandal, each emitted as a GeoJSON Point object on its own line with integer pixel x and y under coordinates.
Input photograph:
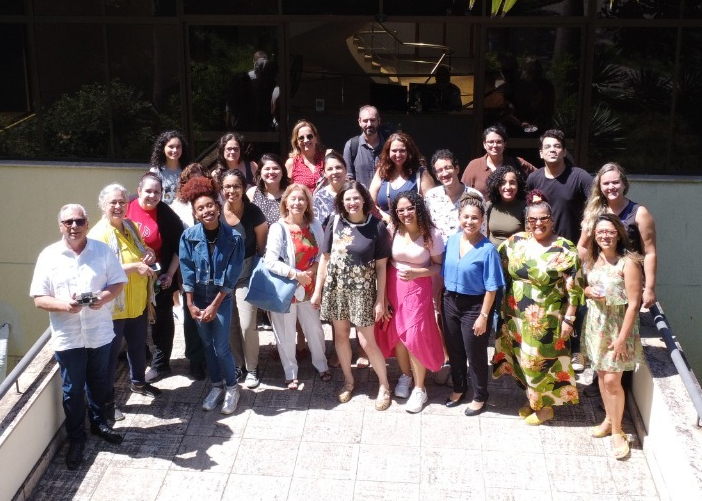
{"type": "Point", "coordinates": [623, 451]}
{"type": "Point", "coordinates": [599, 432]}
{"type": "Point", "coordinates": [382, 402]}
{"type": "Point", "coordinates": [346, 393]}
{"type": "Point", "coordinates": [525, 411]}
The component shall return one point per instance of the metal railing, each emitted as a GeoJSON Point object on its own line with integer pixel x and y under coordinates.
{"type": "Point", "coordinates": [679, 361]}
{"type": "Point", "coordinates": [13, 377]}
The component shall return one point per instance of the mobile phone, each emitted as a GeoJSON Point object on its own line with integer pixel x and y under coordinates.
{"type": "Point", "coordinates": [156, 267]}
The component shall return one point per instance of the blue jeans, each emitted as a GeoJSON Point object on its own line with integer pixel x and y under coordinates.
{"type": "Point", "coordinates": [83, 369]}
{"type": "Point", "coordinates": [215, 335]}
{"type": "Point", "coordinates": [134, 331]}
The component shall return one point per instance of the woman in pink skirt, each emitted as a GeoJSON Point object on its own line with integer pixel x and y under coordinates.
{"type": "Point", "coordinates": [412, 332]}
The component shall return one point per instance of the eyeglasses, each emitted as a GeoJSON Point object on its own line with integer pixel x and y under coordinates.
{"type": "Point", "coordinates": [406, 210]}
{"type": "Point", "coordinates": [118, 203]}
{"type": "Point", "coordinates": [232, 149]}
{"type": "Point", "coordinates": [233, 187]}
{"type": "Point", "coordinates": [606, 233]}
{"type": "Point", "coordinates": [542, 219]}
{"type": "Point", "coordinates": [69, 222]}
{"type": "Point", "coordinates": [498, 142]}
{"type": "Point", "coordinates": [309, 137]}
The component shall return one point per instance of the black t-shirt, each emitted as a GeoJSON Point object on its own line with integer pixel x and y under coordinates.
{"type": "Point", "coordinates": [567, 195]}
{"type": "Point", "coordinates": [250, 219]}
{"type": "Point", "coordinates": [364, 242]}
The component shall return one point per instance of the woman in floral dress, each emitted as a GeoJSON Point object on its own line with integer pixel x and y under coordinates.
{"type": "Point", "coordinates": [544, 288]}
{"type": "Point", "coordinates": [351, 283]}
{"type": "Point", "coordinates": [612, 324]}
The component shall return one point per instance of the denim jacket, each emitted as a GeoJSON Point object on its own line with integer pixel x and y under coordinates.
{"type": "Point", "coordinates": [227, 258]}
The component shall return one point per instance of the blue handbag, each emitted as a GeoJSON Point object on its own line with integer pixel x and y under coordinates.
{"type": "Point", "coordinates": [269, 291]}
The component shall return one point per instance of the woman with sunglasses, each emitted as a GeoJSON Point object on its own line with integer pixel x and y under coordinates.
{"type": "Point", "coordinates": [611, 333]}
{"type": "Point", "coordinates": [495, 143]}
{"type": "Point", "coordinates": [231, 155]}
{"type": "Point", "coordinates": [412, 332]}
{"type": "Point", "coordinates": [544, 288]}
{"type": "Point", "coordinates": [306, 161]}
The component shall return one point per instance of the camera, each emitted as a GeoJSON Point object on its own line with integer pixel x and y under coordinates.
{"type": "Point", "coordinates": [87, 298]}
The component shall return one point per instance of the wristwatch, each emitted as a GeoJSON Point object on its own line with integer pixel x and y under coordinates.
{"type": "Point", "coordinates": [484, 315]}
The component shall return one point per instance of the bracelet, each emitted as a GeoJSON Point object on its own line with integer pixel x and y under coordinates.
{"type": "Point", "coordinates": [484, 315]}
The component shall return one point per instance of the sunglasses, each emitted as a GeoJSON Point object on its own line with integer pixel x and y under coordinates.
{"type": "Point", "coordinates": [69, 222]}
{"type": "Point", "coordinates": [543, 219]}
{"type": "Point", "coordinates": [309, 137]}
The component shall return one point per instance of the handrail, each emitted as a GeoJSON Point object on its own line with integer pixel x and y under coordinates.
{"type": "Point", "coordinates": [680, 364]}
{"type": "Point", "coordinates": [13, 377]}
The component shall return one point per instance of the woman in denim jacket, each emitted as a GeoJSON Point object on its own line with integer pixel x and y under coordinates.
{"type": "Point", "coordinates": [211, 258]}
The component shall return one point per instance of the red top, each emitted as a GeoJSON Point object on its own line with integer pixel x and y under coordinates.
{"type": "Point", "coordinates": [302, 174]}
{"type": "Point", "coordinates": [306, 250]}
{"type": "Point", "coordinates": [148, 226]}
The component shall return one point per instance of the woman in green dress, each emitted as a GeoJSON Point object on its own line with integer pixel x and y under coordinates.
{"type": "Point", "coordinates": [612, 340]}
{"type": "Point", "coordinates": [544, 287]}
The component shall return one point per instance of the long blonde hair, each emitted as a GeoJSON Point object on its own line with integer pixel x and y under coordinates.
{"type": "Point", "coordinates": [597, 201]}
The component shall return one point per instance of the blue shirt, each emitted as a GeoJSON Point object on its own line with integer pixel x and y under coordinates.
{"type": "Point", "coordinates": [476, 272]}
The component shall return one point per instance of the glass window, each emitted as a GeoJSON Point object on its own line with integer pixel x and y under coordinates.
{"type": "Point", "coordinates": [434, 8]}
{"type": "Point", "coordinates": [639, 9]}
{"type": "Point", "coordinates": [339, 7]}
{"type": "Point", "coordinates": [541, 8]}
{"type": "Point", "coordinates": [140, 8]}
{"type": "Point", "coordinates": [144, 86]}
{"type": "Point", "coordinates": [231, 6]}
{"type": "Point", "coordinates": [531, 84]}
{"type": "Point", "coordinates": [693, 9]}
{"type": "Point", "coordinates": [687, 121]}
{"type": "Point", "coordinates": [631, 98]}
{"type": "Point", "coordinates": [67, 7]}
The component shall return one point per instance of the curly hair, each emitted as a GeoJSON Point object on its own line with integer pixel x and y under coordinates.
{"type": "Point", "coordinates": [424, 220]}
{"type": "Point", "coordinates": [470, 199]}
{"type": "Point", "coordinates": [309, 211]}
{"type": "Point", "coordinates": [158, 155]}
{"type": "Point", "coordinates": [221, 162]}
{"type": "Point", "coordinates": [295, 144]}
{"type": "Point", "coordinates": [497, 177]}
{"type": "Point", "coordinates": [368, 204]}
{"type": "Point", "coordinates": [597, 201]}
{"type": "Point", "coordinates": [412, 164]}
{"type": "Point", "coordinates": [191, 171]}
{"type": "Point", "coordinates": [272, 157]}
{"type": "Point", "coordinates": [536, 199]}
{"type": "Point", "coordinates": [200, 187]}
{"type": "Point", "coordinates": [624, 248]}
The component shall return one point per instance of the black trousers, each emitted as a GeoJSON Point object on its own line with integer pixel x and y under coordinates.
{"type": "Point", "coordinates": [163, 330]}
{"type": "Point", "coordinates": [459, 313]}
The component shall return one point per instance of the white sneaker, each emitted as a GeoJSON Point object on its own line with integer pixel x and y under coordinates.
{"type": "Point", "coordinates": [252, 380]}
{"type": "Point", "coordinates": [416, 401]}
{"type": "Point", "coordinates": [231, 398]}
{"type": "Point", "coordinates": [578, 362]}
{"type": "Point", "coordinates": [215, 396]}
{"type": "Point", "coordinates": [404, 384]}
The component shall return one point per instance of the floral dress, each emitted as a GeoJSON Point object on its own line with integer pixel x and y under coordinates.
{"type": "Point", "coordinates": [604, 320]}
{"type": "Point", "coordinates": [306, 251]}
{"type": "Point", "coordinates": [350, 287]}
{"type": "Point", "coordinates": [540, 284]}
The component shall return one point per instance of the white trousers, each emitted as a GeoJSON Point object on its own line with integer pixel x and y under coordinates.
{"type": "Point", "coordinates": [284, 325]}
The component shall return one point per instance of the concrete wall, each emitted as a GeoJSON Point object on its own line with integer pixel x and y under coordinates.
{"type": "Point", "coordinates": [30, 198]}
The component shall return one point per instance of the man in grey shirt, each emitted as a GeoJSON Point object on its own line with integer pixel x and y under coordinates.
{"type": "Point", "coordinates": [361, 153]}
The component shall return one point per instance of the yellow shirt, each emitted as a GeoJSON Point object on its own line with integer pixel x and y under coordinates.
{"type": "Point", "coordinates": [135, 292]}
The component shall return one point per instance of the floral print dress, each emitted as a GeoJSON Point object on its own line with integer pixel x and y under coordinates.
{"type": "Point", "coordinates": [306, 250]}
{"type": "Point", "coordinates": [604, 321]}
{"type": "Point", "coordinates": [540, 284]}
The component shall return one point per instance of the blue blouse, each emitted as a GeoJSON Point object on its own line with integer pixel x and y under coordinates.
{"type": "Point", "coordinates": [476, 272]}
{"type": "Point", "coordinates": [387, 193]}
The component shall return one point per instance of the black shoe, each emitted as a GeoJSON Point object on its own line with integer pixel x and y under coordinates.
{"type": "Point", "coordinates": [112, 412]}
{"type": "Point", "coordinates": [147, 390]}
{"type": "Point", "coordinates": [154, 374]}
{"type": "Point", "coordinates": [475, 412]}
{"type": "Point", "coordinates": [455, 403]}
{"type": "Point", "coordinates": [74, 456]}
{"type": "Point", "coordinates": [106, 433]}
{"type": "Point", "coordinates": [197, 371]}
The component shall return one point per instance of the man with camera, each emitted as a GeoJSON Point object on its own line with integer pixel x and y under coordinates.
{"type": "Point", "coordinates": [75, 279]}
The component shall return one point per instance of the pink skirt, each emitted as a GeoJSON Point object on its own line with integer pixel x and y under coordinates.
{"type": "Point", "coordinates": [414, 323]}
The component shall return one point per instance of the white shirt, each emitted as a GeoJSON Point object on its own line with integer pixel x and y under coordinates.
{"type": "Point", "coordinates": [60, 273]}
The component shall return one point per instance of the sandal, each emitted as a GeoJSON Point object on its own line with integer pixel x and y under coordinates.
{"type": "Point", "coordinates": [346, 393]}
{"type": "Point", "coordinates": [599, 432]}
{"type": "Point", "coordinates": [293, 384]}
{"type": "Point", "coordinates": [534, 420]}
{"type": "Point", "coordinates": [325, 376]}
{"type": "Point", "coordinates": [362, 363]}
{"type": "Point", "coordinates": [382, 402]}
{"type": "Point", "coordinates": [623, 451]}
{"type": "Point", "coordinates": [525, 411]}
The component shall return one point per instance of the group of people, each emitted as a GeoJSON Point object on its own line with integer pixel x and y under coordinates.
{"type": "Point", "coordinates": [424, 264]}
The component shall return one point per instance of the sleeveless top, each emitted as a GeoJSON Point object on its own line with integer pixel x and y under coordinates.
{"type": "Point", "coordinates": [387, 193]}
{"type": "Point", "coordinates": [301, 174]}
{"type": "Point", "coordinates": [628, 219]}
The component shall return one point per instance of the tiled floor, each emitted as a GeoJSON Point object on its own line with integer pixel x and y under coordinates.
{"type": "Point", "coordinates": [288, 445]}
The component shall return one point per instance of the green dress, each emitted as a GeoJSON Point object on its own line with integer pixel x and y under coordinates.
{"type": "Point", "coordinates": [540, 285]}
{"type": "Point", "coordinates": [604, 320]}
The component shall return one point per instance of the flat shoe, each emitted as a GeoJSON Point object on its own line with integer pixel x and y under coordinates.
{"type": "Point", "coordinates": [382, 402]}
{"type": "Point", "coordinates": [599, 432]}
{"type": "Point", "coordinates": [533, 419]}
{"type": "Point", "coordinates": [455, 403]}
{"type": "Point", "coordinates": [623, 451]}
{"type": "Point", "coordinates": [346, 393]}
{"type": "Point", "coordinates": [325, 376]}
{"type": "Point", "coordinates": [474, 412]}
{"type": "Point", "coordinates": [525, 411]}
